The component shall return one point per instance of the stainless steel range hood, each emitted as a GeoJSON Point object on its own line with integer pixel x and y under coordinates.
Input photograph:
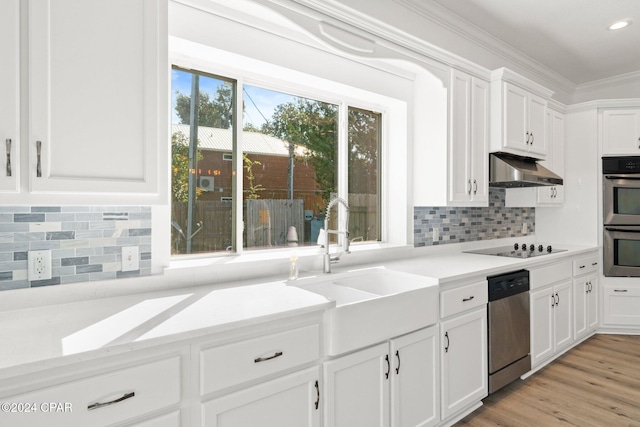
{"type": "Point", "coordinates": [510, 171]}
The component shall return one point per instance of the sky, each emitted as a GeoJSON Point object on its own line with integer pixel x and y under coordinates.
{"type": "Point", "coordinates": [265, 100]}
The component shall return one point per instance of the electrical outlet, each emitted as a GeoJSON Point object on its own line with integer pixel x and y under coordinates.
{"type": "Point", "coordinates": [130, 258]}
{"type": "Point", "coordinates": [436, 234]}
{"type": "Point", "coordinates": [39, 265]}
{"type": "Point", "coordinates": [525, 228]}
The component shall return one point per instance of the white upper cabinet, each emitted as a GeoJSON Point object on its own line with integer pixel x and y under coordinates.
{"type": "Point", "coordinates": [621, 131]}
{"type": "Point", "coordinates": [468, 140]}
{"type": "Point", "coordinates": [10, 99]}
{"type": "Point", "coordinates": [518, 117]}
{"type": "Point", "coordinates": [97, 101]}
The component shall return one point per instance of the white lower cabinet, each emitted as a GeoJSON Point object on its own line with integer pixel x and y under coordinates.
{"type": "Point", "coordinates": [390, 384]}
{"type": "Point", "coordinates": [621, 305]}
{"type": "Point", "coordinates": [585, 298]}
{"type": "Point", "coordinates": [136, 391]}
{"type": "Point", "coordinates": [463, 356]}
{"type": "Point", "coordinates": [551, 321]}
{"type": "Point", "coordinates": [290, 401]}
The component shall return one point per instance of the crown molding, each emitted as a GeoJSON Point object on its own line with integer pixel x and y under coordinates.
{"type": "Point", "coordinates": [604, 103]}
{"type": "Point", "coordinates": [626, 78]}
{"type": "Point", "coordinates": [474, 34]}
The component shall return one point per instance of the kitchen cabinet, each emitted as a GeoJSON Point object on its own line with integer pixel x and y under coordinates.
{"type": "Point", "coordinates": [547, 196]}
{"type": "Point", "coordinates": [97, 102]}
{"type": "Point", "coordinates": [268, 376]}
{"type": "Point", "coordinates": [144, 390]}
{"type": "Point", "coordinates": [292, 400]}
{"type": "Point", "coordinates": [10, 99]}
{"type": "Point", "coordinates": [463, 347]}
{"type": "Point", "coordinates": [551, 321]}
{"type": "Point", "coordinates": [621, 304]}
{"type": "Point", "coordinates": [518, 117]}
{"type": "Point", "coordinates": [621, 131]}
{"type": "Point", "coordinates": [390, 384]}
{"type": "Point", "coordinates": [468, 140]}
{"type": "Point", "coordinates": [585, 296]}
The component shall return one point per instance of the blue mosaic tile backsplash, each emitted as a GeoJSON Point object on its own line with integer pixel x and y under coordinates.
{"type": "Point", "coordinates": [85, 241]}
{"type": "Point", "coordinates": [468, 224]}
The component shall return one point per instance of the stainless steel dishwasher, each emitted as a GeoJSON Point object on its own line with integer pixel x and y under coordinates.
{"type": "Point", "coordinates": [509, 328]}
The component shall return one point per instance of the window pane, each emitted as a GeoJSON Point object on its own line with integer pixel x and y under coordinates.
{"type": "Point", "coordinates": [289, 160]}
{"type": "Point", "coordinates": [364, 176]}
{"type": "Point", "coordinates": [201, 143]}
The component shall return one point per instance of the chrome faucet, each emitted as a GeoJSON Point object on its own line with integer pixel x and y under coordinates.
{"type": "Point", "coordinates": [328, 259]}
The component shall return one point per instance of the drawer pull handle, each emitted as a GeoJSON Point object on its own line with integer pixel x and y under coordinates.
{"type": "Point", "coordinates": [582, 266]}
{"type": "Point", "coordinates": [619, 290]}
{"type": "Point", "coordinates": [118, 400]}
{"type": "Point", "coordinates": [317, 395]}
{"type": "Point", "coordinates": [468, 299]}
{"type": "Point", "coordinates": [398, 356]}
{"type": "Point", "coordinates": [264, 359]}
{"type": "Point", "coordinates": [594, 263]}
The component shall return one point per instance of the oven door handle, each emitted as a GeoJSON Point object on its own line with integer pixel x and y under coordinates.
{"type": "Point", "coordinates": [631, 177]}
{"type": "Point", "coordinates": [626, 229]}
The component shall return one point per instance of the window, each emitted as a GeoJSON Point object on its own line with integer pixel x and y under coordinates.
{"type": "Point", "coordinates": [294, 158]}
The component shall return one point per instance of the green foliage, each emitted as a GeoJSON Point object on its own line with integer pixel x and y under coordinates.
{"type": "Point", "coordinates": [180, 168]}
{"type": "Point", "coordinates": [254, 189]}
{"type": "Point", "coordinates": [313, 125]}
{"type": "Point", "coordinates": [216, 112]}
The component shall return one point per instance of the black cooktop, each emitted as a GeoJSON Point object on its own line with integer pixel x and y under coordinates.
{"type": "Point", "coordinates": [519, 250]}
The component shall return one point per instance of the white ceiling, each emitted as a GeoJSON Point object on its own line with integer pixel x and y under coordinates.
{"type": "Point", "coordinates": [569, 36]}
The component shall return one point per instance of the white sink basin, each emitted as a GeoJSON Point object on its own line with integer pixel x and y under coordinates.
{"type": "Point", "coordinates": [373, 306]}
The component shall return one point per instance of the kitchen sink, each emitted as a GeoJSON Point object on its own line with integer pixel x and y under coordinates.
{"type": "Point", "coordinates": [373, 306]}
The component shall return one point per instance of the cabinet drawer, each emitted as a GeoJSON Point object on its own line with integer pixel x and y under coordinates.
{"type": "Point", "coordinates": [585, 265]}
{"type": "Point", "coordinates": [544, 276]}
{"type": "Point", "coordinates": [152, 386]}
{"type": "Point", "coordinates": [621, 305]}
{"type": "Point", "coordinates": [243, 361]}
{"type": "Point", "coordinates": [461, 299]}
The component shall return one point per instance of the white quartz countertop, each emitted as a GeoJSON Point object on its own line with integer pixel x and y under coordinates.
{"type": "Point", "coordinates": [57, 335]}
{"type": "Point", "coordinates": [52, 336]}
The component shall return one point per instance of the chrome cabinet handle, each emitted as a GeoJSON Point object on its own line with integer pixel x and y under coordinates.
{"type": "Point", "coordinates": [468, 299]}
{"type": "Point", "coordinates": [39, 164]}
{"type": "Point", "coordinates": [553, 301]}
{"type": "Point", "coordinates": [8, 142]}
{"type": "Point", "coordinates": [532, 138]}
{"type": "Point", "coordinates": [619, 290]}
{"type": "Point", "coordinates": [469, 186]}
{"type": "Point", "coordinates": [527, 140]}
{"type": "Point", "coordinates": [386, 375]}
{"type": "Point", "coordinates": [586, 285]}
{"type": "Point", "coordinates": [264, 359]}
{"type": "Point", "coordinates": [594, 263]}
{"type": "Point", "coordinates": [317, 395]}
{"type": "Point", "coordinates": [475, 187]}
{"type": "Point", "coordinates": [398, 356]}
{"type": "Point", "coordinates": [98, 405]}
{"type": "Point", "coordinates": [558, 299]}
{"type": "Point", "coordinates": [446, 347]}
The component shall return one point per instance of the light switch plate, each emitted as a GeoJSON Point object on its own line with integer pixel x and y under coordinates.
{"type": "Point", "coordinates": [38, 265]}
{"type": "Point", "coordinates": [130, 258]}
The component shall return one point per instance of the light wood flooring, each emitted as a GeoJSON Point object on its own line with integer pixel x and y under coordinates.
{"type": "Point", "coordinates": [597, 383]}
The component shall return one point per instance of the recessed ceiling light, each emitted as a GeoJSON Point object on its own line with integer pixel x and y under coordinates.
{"type": "Point", "coordinates": [619, 25]}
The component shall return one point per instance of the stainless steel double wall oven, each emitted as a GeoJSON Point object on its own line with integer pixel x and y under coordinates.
{"type": "Point", "coordinates": [621, 215]}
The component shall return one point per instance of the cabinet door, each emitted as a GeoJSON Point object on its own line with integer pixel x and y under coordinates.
{"type": "Point", "coordinates": [580, 296]}
{"type": "Point", "coordinates": [9, 101]}
{"type": "Point", "coordinates": [460, 185]}
{"type": "Point", "coordinates": [592, 304]}
{"type": "Point", "coordinates": [171, 419]}
{"type": "Point", "coordinates": [563, 315]}
{"type": "Point", "coordinates": [621, 305]}
{"type": "Point", "coordinates": [537, 115]}
{"type": "Point", "coordinates": [357, 389]}
{"type": "Point", "coordinates": [98, 96]}
{"type": "Point", "coordinates": [463, 355]}
{"type": "Point", "coordinates": [621, 132]}
{"type": "Point", "coordinates": [515, 118]}
{"type": "Point", "coordinates": [290, 401]}
{"type": "Point", "coordinates": [542, 304]}
{"type": "Point", "coordinates": [415, 379]}
{"type": "Point", "coordinates": [479, 158]}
